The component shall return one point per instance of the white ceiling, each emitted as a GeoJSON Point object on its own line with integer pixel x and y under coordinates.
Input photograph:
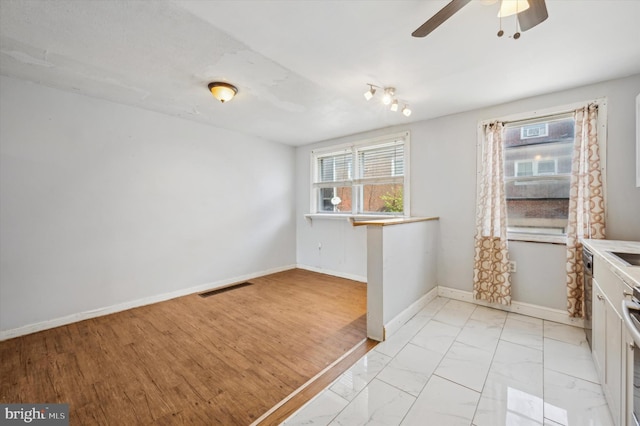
{"type": "Point", "coordinates": [302, 66]}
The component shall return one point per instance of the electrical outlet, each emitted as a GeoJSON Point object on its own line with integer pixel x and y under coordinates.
{"type": "Point", "coordinates": [512, 266]}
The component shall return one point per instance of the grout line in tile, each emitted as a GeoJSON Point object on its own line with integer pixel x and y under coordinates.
{"type": "Point", "coordinates": [459, 384]}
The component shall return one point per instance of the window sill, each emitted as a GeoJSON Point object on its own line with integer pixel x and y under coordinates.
{"type": "Point", "coordinates": [351, 217]}
{"type": "Point", "coordinates": [537, 238]}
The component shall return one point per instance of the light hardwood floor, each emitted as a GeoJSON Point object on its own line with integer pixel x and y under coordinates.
{"type": "Point", "coordinates": [225, 359]}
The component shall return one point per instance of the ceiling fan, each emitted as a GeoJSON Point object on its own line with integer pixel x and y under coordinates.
{"type": "Point", "coordinates": [527, 18]}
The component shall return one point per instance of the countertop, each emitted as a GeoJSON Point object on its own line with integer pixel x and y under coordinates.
{"type": "Point", "coordinates": [602, 248]}
{"type": "Point", "coordinates": [392, 221]}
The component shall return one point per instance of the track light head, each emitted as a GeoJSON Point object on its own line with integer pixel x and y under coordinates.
{"type": "Point", "coordinates": [394, 105]}
{"type": "Point", "coordinates": [406, 111]}
{"type": "Point", "coordinates": [369, 93]}
{"type": "Point", "coordinates": [388, 95]}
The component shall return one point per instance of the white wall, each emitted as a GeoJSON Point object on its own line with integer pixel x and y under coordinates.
{"type": "Point", "coordinates": [443, 183]}
{"type": "Point", "coordinates": [104, 205]}
{"type": "Point", "coordinates": [408, 265]}
{"type": "Point", "coordinates": [401, 270]}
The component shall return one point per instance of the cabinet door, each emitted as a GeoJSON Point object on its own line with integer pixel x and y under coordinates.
{"type": "Point", "coordinates": [613, 362]}
{"type": "Point", "coordinates": [628, 379]}
{"type": "Point", "coordinates": [599, 340]}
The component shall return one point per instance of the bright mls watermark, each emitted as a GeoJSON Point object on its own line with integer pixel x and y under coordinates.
{"type": "Point", "coordinates": [37, 414]}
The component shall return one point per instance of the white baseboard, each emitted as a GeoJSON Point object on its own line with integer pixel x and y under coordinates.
{"type": "Point", "coordinates": [57, 322]}
{"type": "Point", "coordinates": [333, 273]}
{"type": "Point", "coordinates": [395, 324]}
{"type": "Point", "coordinates": [536, 311]}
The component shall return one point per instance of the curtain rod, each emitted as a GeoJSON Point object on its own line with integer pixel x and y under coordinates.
{"type": "Point", "coordinates": [546, 116]}
{"type": "Point", "coordinates": [565, 109]}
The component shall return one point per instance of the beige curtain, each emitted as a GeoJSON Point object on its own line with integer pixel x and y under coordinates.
{"type": "Point", "coordinates": [586, 203]}
{"type": "Point", "coordinates": [491, 278]}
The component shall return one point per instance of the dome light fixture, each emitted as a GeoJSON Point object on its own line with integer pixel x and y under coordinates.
{"type": "Point", "coordinates": [223, 92]}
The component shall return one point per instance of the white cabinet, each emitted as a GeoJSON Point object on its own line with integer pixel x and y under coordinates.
{"type": "Point", "coordinates": [608, 352]}
{"type": "Point", "coordinates": [599, 340]}
{"type": "Point", "coordinates": [628, 385]}
{"type": "Point", "coordinates": [614, 364]}
{"type": "Point", "coordinates": [610, 340]}
{"type": "Point", "coordinates": [612, 345]}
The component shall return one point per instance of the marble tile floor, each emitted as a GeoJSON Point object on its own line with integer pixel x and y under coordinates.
{"type": "Point", "coordinates": [456, 363]}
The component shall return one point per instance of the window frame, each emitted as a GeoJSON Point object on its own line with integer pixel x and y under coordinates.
{"type": "Point", "coordinates": [538, 115]}
{"type": "Point", "coordinates": [356, 198]}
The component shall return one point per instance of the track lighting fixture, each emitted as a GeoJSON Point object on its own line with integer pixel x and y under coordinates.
{"type": "Point", "coordinates": [388, 98]}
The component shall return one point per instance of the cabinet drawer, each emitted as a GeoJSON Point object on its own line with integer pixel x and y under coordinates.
{"type": "Point", "coordinates": [610, 283]}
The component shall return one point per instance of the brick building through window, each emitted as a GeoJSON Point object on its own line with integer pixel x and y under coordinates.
{"type": "Point", "coordinates": [537, 170]}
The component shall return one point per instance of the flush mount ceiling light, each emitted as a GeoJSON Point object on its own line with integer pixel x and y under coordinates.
{"type": "Point", "coordinates": [388, 98]}
{"type": "Point", "coordinates": [223, 92]}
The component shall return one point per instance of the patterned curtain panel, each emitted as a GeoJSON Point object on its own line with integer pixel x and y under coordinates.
{"type": "Point", "coordinates": [586, 203]}
{"type": "Point", "coordinates": [491, 278]}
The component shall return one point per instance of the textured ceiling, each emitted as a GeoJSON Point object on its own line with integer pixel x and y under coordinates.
{"type": "Point", "coordinates": [302, 66]}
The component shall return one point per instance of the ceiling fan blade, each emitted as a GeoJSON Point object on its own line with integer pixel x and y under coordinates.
{"type": "Point", "coordinates": [436, 20]}
{"type": "Point", "coordinates": [531, 17]}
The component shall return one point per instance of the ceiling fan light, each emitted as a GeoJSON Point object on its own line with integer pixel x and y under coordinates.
{"type": "Point", "coordinates": [406, 111]}
{"type": "Point", "coordinates": [223, 92]}
{"type": "Point", "coordinates": [511, 7]}
{"type": "Point", "coordinates": [394, 105]}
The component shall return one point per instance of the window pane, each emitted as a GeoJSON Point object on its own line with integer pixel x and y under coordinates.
{"type": "Point", "coordinates": [524, 168]}
{"type": "Point", "coordinates": [546, 167]}
{"type": "Point", "coordinates": [334, 168]}
{"type": "Point", "coordinates": [387, 198]}
{"type": "Point", "coordinates": [336, 199]}
{"type": "Point", "coordinates": [537, 170]}
{"type": "Point", "coordinates": [381, 162]}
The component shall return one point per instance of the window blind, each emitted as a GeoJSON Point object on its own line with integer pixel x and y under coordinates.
{"type": "Point", "coordinates": [381, 163]}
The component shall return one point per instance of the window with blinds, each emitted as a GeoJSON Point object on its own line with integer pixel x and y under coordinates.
{"type": "Point", "coordinates": [367, 178]}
